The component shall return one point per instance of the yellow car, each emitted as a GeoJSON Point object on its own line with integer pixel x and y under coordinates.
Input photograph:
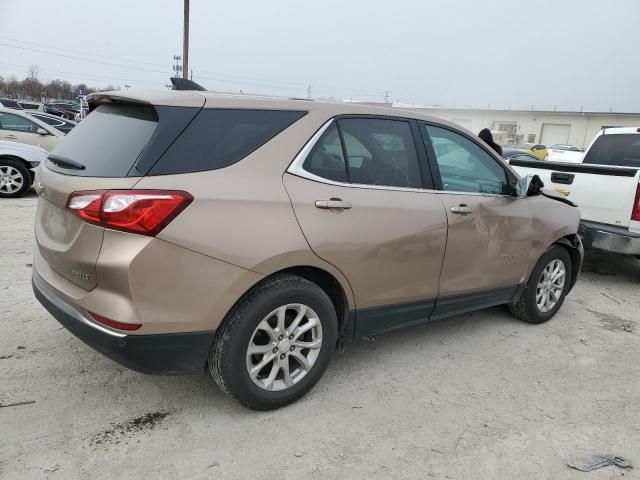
{"type": "Point", "coordinates": [540, 151]}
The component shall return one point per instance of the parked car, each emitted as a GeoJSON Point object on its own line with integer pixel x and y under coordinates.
{"type": "Point", "coordinates": [540, 151]}
{"type": "Point", "coordinates": [516, 154]}
{"type": "Point", "coordinates": [19, 126]}
{"type": "Point", "coordinates": [565, 153]}
{"type": "Point", "coordinates": [8, 103]}
{"type": "Point", "coordinates": [71, 110]}
{"type": "Point", "coordinates": [605, 185]}
{"type": "Point", "coordinates": [55, 109]}
{"type": "Point", "coordinates": [256, 235]}
{"type": "Point", "coordinates": [59, 123]}
{"type": "Point", "coordinates": [16, 163]}
{"type": "Point", "coordinates": [31, 106]}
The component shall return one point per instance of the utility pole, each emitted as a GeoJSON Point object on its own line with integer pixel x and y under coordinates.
{"type": "Point", "coordinates": [309, 92]}
{"type": "Point", "coordinates": [185, 41]}
{"type": "Point", "coordinates": [386, 96]}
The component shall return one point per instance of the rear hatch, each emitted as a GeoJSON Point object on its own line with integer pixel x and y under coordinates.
{"type": "Point", "coordinates": [110, 150]}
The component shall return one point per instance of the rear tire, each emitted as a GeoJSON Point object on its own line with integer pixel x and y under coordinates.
{"type": "Point", "coordinates": [15, 178]}
{"type": "Point", "coordinates": [547, 287]}
{"type": "Point", "coordinates": [293, 355]}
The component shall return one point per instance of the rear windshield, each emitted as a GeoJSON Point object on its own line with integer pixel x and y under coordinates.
{"type": "Point", "coordinates": [108, 142]}
{"type": "Point", "coordinates": [621, 150]}
{"type": "Point", "coordinates": [217, 138]}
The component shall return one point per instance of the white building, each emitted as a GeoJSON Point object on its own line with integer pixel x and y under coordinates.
{"type": "Point", "coordinates": [532, 126]}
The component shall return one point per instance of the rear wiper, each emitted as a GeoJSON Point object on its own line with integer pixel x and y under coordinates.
{"type": "Point", "coordinates": [65, 162]}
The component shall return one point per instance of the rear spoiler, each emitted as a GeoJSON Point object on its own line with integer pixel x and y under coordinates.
{"type": "Point", "coordinates": [186, 84]}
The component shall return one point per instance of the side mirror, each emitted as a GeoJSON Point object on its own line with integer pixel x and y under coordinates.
{"type": "Point", "coordinates": [528, 186]}
{"type": "Point", "coordinates": [42, 131]}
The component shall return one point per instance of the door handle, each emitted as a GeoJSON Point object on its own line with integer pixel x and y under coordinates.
{"type": "Point", "coordinates": [565, 178]}
{"type": "Point", "coordinates": [333, 204]}
{"type": "Point", "coordinates": [13, 137]}
{"type": "Point", "coordinates": [462, 209]}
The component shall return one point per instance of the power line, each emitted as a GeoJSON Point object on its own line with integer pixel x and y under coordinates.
{"type": "Point", "coordinates": [247, 83]}
{"type": "Point", "coordinates": [82, 59]}
{"type": "Point", "coordinates": [82, 53]}
{"type": "Point", "coordinates": [277, 84]}
{"type": "Point", "coordinates": [269, 84]}
{"type": "Point", "coordinates": [80, 75]}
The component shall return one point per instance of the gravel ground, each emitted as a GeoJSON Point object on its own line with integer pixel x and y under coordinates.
{"type": "Point", "coordinates": [479, 396]}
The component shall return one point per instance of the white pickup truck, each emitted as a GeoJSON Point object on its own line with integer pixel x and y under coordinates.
{"type": "Point", "coordinates": [605, 185]}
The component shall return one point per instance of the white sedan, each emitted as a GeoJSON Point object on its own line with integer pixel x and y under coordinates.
{"type": "Point", "coordinates": [565, 153]}
{"type": "Point", "coordinates": [17, 161]}
{"type": "Point", "coordinates": [18, 126]}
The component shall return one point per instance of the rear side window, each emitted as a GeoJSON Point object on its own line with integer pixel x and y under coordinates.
{"type": "Point", "coordinates": [217, 138]}
{"type": "Point", "coordinates": [619, 149]}
{"type": "Point", "coordinates": [108, 142]}
{"type": "Point", "coordinates": [378, 152]}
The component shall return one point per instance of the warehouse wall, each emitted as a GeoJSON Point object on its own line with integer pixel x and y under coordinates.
{"type": "Point", "coordinates": [528, 125]}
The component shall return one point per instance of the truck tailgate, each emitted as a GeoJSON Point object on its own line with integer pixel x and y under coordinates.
{"type": "Point", "coordinates": [604, 194]}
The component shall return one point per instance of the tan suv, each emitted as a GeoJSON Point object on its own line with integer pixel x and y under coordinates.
{"type": "Point", "coordinates": [180, 230]}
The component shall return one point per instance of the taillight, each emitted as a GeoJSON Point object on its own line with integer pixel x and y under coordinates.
{"type": "Point", "coordinates": [145, 212]}
{"type": "Point", "coordinates": [635, 213]}
{"type": "Point", "coordinates": [115, 324]}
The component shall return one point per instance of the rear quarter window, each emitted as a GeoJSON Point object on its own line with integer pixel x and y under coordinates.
{"type": "Point", "coordinates": [618, 150]}
{"type": "Point", "coordinates": [217, 138]}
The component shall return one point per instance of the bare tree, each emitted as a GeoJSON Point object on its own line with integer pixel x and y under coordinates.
{"type": "Point", "coordinates": [33, 72]}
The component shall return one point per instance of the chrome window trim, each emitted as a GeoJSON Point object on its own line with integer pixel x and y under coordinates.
{"type": "Point", "coordinates": [296, 169]}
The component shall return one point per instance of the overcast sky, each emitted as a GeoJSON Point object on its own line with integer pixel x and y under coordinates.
{"type": "Point", "coordinates": [502, 53]}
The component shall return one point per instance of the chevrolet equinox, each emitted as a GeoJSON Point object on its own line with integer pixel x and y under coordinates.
{"type": "Point", "coordinates": [183, 231]}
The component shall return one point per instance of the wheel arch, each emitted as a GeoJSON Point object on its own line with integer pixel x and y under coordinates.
{"type": "Point", "coordinates": [334, 290]}
{"type": "Point", "coordinates": [331, 282]}
{"type": "Point", "coordinates": [573, 244]}
{"type": "Point", "coordinates": [4, 156]}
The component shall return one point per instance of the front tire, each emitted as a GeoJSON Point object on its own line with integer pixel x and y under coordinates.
{"type": "Point", "coordinates": [547, 287]}
{"type": "Point", "coordinates": [14, 178]}
{"type": "Point", "coordinates": [275, 344]}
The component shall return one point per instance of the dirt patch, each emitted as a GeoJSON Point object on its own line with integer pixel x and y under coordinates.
{"type": "Point", "coordinates": [123, 431]}
{"type": "Point", "coordinates": [613, 322]}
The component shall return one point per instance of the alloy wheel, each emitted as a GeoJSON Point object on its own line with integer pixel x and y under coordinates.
{"type": "Point", "coordinates": [11, 180]}
{"type": "Point", "coordinates": [284, 347]}
{"type": "Point", "coordinates": [551, 285]}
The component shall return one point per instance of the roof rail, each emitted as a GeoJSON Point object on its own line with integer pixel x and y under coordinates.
{"type": "Point", "coordinates": [186, 84]}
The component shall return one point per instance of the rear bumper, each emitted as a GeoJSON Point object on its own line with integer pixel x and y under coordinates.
{"type": "Point", "coordinates": [610, 238]}
{"type": "Point", "coordinates": [171, 353]}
